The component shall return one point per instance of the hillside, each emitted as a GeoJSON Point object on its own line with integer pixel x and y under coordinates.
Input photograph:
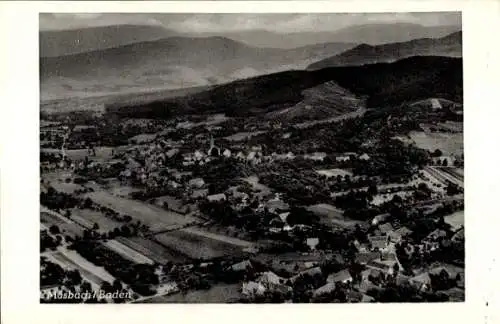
{"type": "Point", "coordinates": [450, 45]}
{"type": "Point", "coordinates": [380, 84]}
{"type": "Point", "coordinates": [170, 63]}
{"type": "Point", "coordinates": [73, 41]}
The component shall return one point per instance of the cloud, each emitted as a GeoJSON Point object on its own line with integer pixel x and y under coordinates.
{"type": "Point", "coordinates": [240, 22]}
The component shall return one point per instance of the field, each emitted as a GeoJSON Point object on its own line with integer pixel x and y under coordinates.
{"type": "Point", "coordinates": [155, 217]}
{"type": "Point", "coordinates": [456, 220]}
{"type": "Point", "coordinates": [66, 227]}
{"type": "Point", "coordinates": [220, 293]}
{"type": "Point", "coordinates": [127, 252]}
{"type": "Point", "coordinates": [243, 136]}
{"type": "Point", "coordinates": [334, 172]}
{"type": "Point", "coordinates": [102, 153]}
{"type": "Point", "coordinates": [65, 187]}
{"type": "Point", "coordinates": [152, 250]}
{"type": "Point", "coordinates": [448, 143]}
{"type": "Point", "coordinates": [332, 216]}
{"type": "Point", "coordinates": [87, 218]}
{"type": "Point", "coordinates": [72, 260]}
{"type": "Point", "coordinates": [200, 245]}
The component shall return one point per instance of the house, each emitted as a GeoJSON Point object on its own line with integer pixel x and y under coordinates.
{"type": "Point", "coordinates": [326, 289]}
{"type": "Point", "coordinates": [421, 282]}
{"type": "Point", "coordinates": [397, 235]}
{"type": "Point", "coordinates": [367, 299]}
{"type": "Point", "coordinates": [284, 216]}
{"type": "Point", "coordinates": [385, 228]}
{"type": "Point", "coordinates": [241, 266]}
{"type": "Point", "coordinates": [312, 242]}
{"type": "Point", "coordinates": [196, 183]}
{"type": "Point", "coordinates": [380, 218]}
{"type": "Point", "coordinates": [342, 276]}
{"type": "Point", "coordinates": [365, 257]}
{"type": "Point", "coordinates": [366, 286]}
{"type": "Point", "coordinates": [253, 288]}
{"type": "Point", "coordinates": [384, 266]}
{"type": "Point", "coordinates": [310, 272]}
{"type": "Point", "coordinates": [364, 157]}
{"type": "Point", "coordinates": [227, 153]}
{"type": "Point", "coordinates": [199, 193]}
{"type": "Point", "coordinates": [378, 242]}
{"type": "Point", "coordinates": [459, 236]}
{"type": "Point", "coordinates": [217, 197]}
{"type": "Point", "coordinates": [436, 235]}
{"type": "Point", "coordinates": [370, 273]}
{"type": "Point", "coordinates": [402, 279]}
{"type": "Point", "coordinates": [270, 278]}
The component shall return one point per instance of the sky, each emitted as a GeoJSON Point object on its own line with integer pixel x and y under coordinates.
{"type": "Point", "coordinates": [280, 23]}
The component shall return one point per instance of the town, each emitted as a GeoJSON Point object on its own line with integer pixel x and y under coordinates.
{"type": "Point", "coordinates": [364, 207]}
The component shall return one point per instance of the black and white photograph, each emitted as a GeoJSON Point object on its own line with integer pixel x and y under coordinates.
{"type": "Point", "coordinates": [244, 158]}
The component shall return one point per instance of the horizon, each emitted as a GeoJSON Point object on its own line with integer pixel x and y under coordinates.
{"type": "Point", "coordinates": [242, 23]}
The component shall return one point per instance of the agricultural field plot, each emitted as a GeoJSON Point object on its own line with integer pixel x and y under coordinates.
{"type": "Point", "coordinates": [330, 215]}
{"type": "Point", "coordinates": [87, 218]}
{"type": "Point", "coordinates": [242, 136]}
{"type": "Point", "coordinates": [142, 138]}
{"type": "Point", "coordinates": [155, 217]}
{"type": "Point", "coordinates": [218, 237]}
{"type": "Point", "coordinates": [254, 181]}
{"type": "Point", "coordinates": [103, 153]}
{"type": "Point", "coordinates": [65, 227]}
{"type": "Point", "coordinates": [196, 246]}
{"type": "Point", "coordinates": [334, 172]}
{"type": "Point", "coordinates": [152, 250]}
{"type": "Point", "coordinates": [127, 252]}
{"type": "Point", "coordinates": [455, 220]}
{"type": "Point", "coordinates": [65, 187]}
{"type": "Point", "coordinates": [72, 260]}
{"type": "Point", "coordinates": [451, 144]}
{"type": "Point", "coordinates": [219, 293]}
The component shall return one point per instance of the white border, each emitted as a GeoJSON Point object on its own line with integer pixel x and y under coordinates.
{"type": "Point", "coordinates": [19, 172]}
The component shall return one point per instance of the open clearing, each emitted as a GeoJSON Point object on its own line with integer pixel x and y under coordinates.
{"type": "Point", "coordinates": [127, 252]}
{"type": "Point", "coordinates": [456, 220]}
{"type": "Point", "coordinates": [197, 246]}
{"type": "Point", "coordinates": [243, 136]}
{"type": "Point", "coordinates": [219, 293]}
{"type": "Point", "coordinates": [152, 250]}
{"type": "Point", "coordinates": [448, 143]}
{"type": "Point", "coordinates": [217, 237]}
{"type": "Point", "coordinates": [330, 215]}
{"type": "Point", "coordinates": [102, 153]}
{"type": "Point", "coordinates": [155, 217]}
{"type": "Point", "coordinates": [66, 227]}
{"type": "Point", "coordinates": [334, 172]}
{"type": "Point", "coordinates": [87, 218]}
{"type": "Point", "coordinates": [88, 270]}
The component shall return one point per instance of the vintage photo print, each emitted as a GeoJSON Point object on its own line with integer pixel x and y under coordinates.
{"type": "Point", "coordinates": [244, 158]}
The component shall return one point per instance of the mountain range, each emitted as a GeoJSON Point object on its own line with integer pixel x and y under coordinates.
{"type": "Point", "coordinates": [99, 61]}
{"type": "Point", "coordinates": [450, 45]}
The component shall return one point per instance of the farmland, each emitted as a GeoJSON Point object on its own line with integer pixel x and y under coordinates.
{"type": "Point", "coordinates": [220, 293]}
{"type": "Point", "coordinates": [87, 218]}
{"type": "Point", "coordinates": [66, 227]}
{"type": "Point", "coordinates": [127, 252]}
{"type": "Point", "coordinates": [455, 220]}
{"type": "Point", "coordinates": [331, 215]}
{"type": "Point", "coordinates": [155, 217]}
{"type": "Point", "coordinates": [200, 245]}
{"type": "Point", "coordinates": [448, 143]}
{"type": "Point", "coordinates": [334, 172]}
{"type": "Point", "coordinates": [152, 250]}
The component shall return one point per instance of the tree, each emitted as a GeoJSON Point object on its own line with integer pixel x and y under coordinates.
{"type": "Point", "coordinates": [445, 162]}
{"type": "Point", "coordinates": [95, 227]}
{"type": "Point", "coordinates": [54, 229]}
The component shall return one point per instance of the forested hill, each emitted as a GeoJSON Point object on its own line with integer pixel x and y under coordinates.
{"type": "Point", "coordinates": [381, 84]}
